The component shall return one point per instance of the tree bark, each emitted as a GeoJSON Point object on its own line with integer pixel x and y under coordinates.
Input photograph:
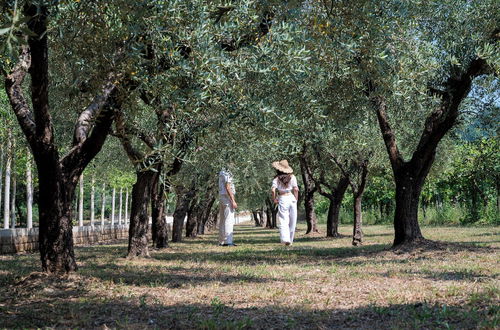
{"type": "Point", "coordinates": [309, 190]}
{"type": "Point", "coordinates": [212, 219]}
{"type": "Point", "coordinates": [260, 212]}
{"type": "Point", "coordinates": [139, 219]}
{"type": "Point", "coordinates": [311, 219]}
{"type": "Point", "coordinates": [408, 188]}
{"type": "Point", "coordinates": [356, 173]}
{"type": "Point", "coordinates": [255, 217]}
{"type": "Point", "coordinates": [159, 225]}
{"type": "Point", "coordinates": [335, 196]}
{"type": "Point", "coordinates": [357, 233]}
{"type": "Point", "coordinates": [269, 213]}
{"type": "Point", "coordinates": [56, 236]}
{"type": "Point", "coordinates": [332, 220]}
{"type": "Point", "coordinates": [205, 212]}
{"type": "Point", "coordinates": [181, 208]}
{"type": "Point", "coordinates": [410, 175]}
{"type": "Point", "coordinates": [192, 219]}
{"type": "Point", "coordinates": [58, 176]}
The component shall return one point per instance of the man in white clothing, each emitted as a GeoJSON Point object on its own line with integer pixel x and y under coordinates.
{"type": "Point", "coordinates": [227, 204]}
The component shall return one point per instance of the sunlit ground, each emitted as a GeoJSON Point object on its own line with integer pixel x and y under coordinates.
{"type": "Point", "coordinates": [316, 283]}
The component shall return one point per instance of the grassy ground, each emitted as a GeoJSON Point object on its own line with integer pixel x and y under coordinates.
{"type": "Point", "coordinates": [316, 283]}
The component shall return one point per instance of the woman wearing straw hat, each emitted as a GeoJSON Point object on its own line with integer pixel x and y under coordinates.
{"type": "Point", "coordinates": [285, 183]}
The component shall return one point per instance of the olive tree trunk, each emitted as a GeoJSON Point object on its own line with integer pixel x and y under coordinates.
{"type": "Point", "coordinates": [409, 176]}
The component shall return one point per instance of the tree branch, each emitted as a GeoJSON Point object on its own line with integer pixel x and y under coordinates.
{"type": "Point", "coordinates": [75, 161]}
{"type": "Point", "coordinates": [134, 155]}
{"type": "Point", "coordinates": [387, 133]}
{"type": "Point", "coordinates": [306, 173]}
{"type": "Point", "coordinates": [364, 174]}
{"type": "Point", "coordinates": [39, 71]}
{"type": "Point", "coordinates": [14, 91]}
{"type": "Point", "coordinates": [85, 120]}
{"type": "Point", "coordinates": [442, 119]}
{"type": "Point", "coordinates": [247, 39]}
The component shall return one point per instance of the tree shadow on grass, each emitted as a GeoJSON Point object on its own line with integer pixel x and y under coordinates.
{"type": "Point", "coordinates": [13, 267]}
{"type": "Point", "coordinates": [479, 243]}
{"type": "Point", "coordinates": [256, 231]}
{"type": "Point", "coordinates": [458, 275]}
{"type": "Point", "coordinates": [82, 309]}
{"type": "Point", "coordinates": [280, 255]}
{"type": "Point", "coordinates": [379, 235]}
{"type": "Point", "coordinates": [495, 233]}
{"type": "Point", "coordinates": [427, 245]}
{"type": "Point", "coordinates": [168, 277]}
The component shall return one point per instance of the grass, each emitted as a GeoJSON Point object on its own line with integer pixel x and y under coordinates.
{"type": "Point", "coordinates": [317, 283]}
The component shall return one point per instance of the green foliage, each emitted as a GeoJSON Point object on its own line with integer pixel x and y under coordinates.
{"type": "Point", "coordinates": [242, 97]}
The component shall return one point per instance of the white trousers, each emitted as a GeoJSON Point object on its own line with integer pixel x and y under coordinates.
{"type": "Point", "coordinates": [287, 217]}
{"type": "Point", "coordinates": [226, 223]}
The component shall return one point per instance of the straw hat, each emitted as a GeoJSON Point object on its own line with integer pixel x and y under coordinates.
{"type": "Point", "coordinates": [282, 166]}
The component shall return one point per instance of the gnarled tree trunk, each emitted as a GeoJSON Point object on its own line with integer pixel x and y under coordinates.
{"type": "Point", "coordinates": [408, 188]}
{"type": "Point", "coordinates": [159, 225]}
{"type": "Point", "coordinates": [139, 219]}
{"type": "Point", "coordinates": [335, 196]}
{"type": "Point", "coordinates": [309, 190]}
{"type": "Point", "coordinates": [193, 218]}
{"type": "Point", "coordinates": [205, 214]}
{"type": "Point", "coordinates": [357, 232]}
{"type": "Point", "coordinates": [184, 198]}
{"type": "Point", "coordinates": [410, 176]}
{"type": "Point", "coordinates": [356, 173]}
{"type": "Point", "coordinates": [212, 218]}
{"type": "Point", "coordinates": [58, 176]}
{"type": "Point", "coordinates": [332, 220]}
{"type": "Point", "coordinates": [255, 217]}
{"type": "Point", "coordinates": [55, 232]}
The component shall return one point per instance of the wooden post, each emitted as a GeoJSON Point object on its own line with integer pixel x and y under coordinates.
{"type": "Point", "coordinates": [29, 191]}
{"type": "Point", "coordinates": [80, 203]}
{"type": "Point", "coordinates": [120, 205]}
{"type": "Point", "coordinates": [8, 164]}
{"type": "Point", "coordinates": [103, 203]}
{"type": "Point", "coordinates": [126, 205]}
{"type": "Point", "coordinates": [92, 201]}
{"type": "Point", "coordinates": [113, 207]}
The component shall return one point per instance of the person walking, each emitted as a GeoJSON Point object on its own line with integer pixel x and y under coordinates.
{"type": "Point", "coordinates": [285, 193]}
{"type": "Point", "coordinates": [227, 205]}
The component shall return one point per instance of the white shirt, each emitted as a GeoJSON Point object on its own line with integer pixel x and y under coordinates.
{"type": "Point", "coordinates": [282, 189]}
{"type": "Point", "coordinates": [225, 177]}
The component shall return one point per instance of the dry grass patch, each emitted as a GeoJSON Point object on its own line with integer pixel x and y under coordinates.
{"type": "Point", "coordinates": [316, 283]}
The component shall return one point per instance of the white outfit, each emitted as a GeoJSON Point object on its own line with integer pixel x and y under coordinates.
{"type": "Point", "coordinates": [282, 189]}
{"type": "Point", "coordinates": [287, 209]}
{"type": "Point", "coordinates": [226, 210]}
{"type": "Point", "coordinates": [225, 177]}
